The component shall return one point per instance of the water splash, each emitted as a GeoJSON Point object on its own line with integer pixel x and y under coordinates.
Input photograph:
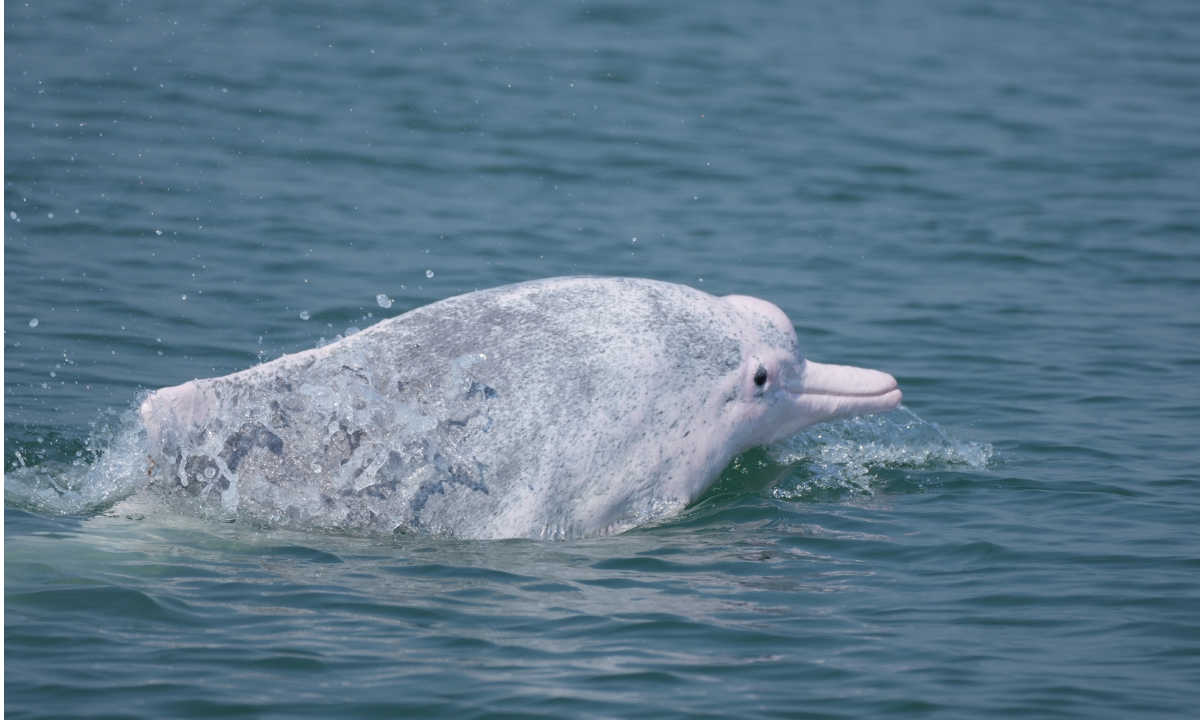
{"type": "Point", "coordinates": [85, 477]}
{"type": "Point", "coordinates": [841, 454]}
{"type": "Point", "coordinates": [335, 453]}
{"type": "Point", "coordinates": [107, 467]}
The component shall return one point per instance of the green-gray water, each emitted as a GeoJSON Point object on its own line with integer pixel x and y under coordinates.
{"type": "Point", "coordinates": [998, 203]}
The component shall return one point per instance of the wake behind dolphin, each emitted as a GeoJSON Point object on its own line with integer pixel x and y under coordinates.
{"type": "Point", "coordinates": [555, 408]}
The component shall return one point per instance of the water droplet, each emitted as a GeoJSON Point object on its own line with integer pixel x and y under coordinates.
{"type": "Point", "coordinates": [49, 215]}
{"type": "Point", "coordinates": [183, 297]}
{"type": "Point", "coordinates": [316, 468]}
{"type": "Point", "coordinates": [304, 315]}
{"type": "Point", "coordinates": [53, 374]}
{"type": "Point", "coordinates": [383, 300]}
{"type": "Point", "coordinates": [156, 232]}
{"type": "Point", "coordinates": [428, 273]}
{"type": "Point", "coordinates": [351, 330]}
{"type": "Point", "coordinates": [45, 386]}
{"type": "Point", "coordinates": [33, 322]}
{"type": "Point", "coordinates": [210, 473]}
{"type": "Point", "coordinates": [13, 215]}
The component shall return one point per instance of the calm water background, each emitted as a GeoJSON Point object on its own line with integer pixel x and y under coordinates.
{"type": "Point", "coordinates": [997, 202]}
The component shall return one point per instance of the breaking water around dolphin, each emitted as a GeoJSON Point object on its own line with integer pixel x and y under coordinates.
{"type": "Point", "coordinates": [836, 457]}
{"type": "Point", "coordinates": [993, 202]}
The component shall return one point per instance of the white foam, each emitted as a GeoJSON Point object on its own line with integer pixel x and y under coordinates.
{"type": "Point", "coordinates": [841, 454]}
{"type": "Point", "coordinates": [118, 469]}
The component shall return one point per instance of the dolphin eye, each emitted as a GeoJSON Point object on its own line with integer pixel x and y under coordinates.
{"type": "Point", "coordinates": [760, 376]}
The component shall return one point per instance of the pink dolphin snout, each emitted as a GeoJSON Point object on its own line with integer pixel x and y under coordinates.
{"type": "Point", "coordinates": [837, 391]}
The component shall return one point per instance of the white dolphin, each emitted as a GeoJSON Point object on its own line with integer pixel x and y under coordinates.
{"type": "Point", "coordinates": [556, 408]}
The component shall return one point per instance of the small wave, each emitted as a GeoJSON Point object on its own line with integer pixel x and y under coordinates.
{"type": "Point", "coordinates": [108, 467]}
{"type": "Point", "coordinates": [841, 454]}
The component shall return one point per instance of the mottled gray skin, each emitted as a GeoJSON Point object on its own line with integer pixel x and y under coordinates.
{"type": "Point", "coordinates": [556, 408]}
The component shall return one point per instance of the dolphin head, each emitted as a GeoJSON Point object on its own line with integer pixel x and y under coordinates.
{"type": "Point", "coordinates": [782, 392]}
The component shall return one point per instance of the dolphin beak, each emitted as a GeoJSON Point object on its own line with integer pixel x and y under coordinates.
{"type": "Point", "coordinates": [839, 391]}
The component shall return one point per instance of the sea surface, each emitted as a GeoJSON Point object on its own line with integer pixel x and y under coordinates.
{"type": "Point", "coordinates": [996, 202]}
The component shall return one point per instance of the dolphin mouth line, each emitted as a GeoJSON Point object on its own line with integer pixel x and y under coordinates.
{"type": "Point", "coordinates": [881, 393]}
{"type": "Point", "coordinates": [843, 382]}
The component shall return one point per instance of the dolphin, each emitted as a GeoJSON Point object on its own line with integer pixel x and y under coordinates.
{"type": "Point", "coordinates": [557, 408]}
